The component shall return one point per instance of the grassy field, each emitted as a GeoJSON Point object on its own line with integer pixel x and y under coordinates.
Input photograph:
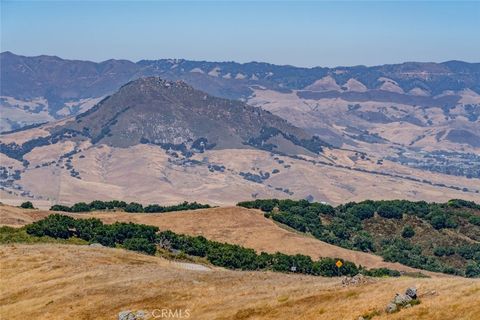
{"type": "Point", "coordinates": [56, 281]}
{"type": "Point", "coordinates": [45, 278]}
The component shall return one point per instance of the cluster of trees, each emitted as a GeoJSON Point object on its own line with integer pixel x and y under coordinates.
{"type": "Point", "coordinates": [132, 236]}
{"type": "Point", "coordinates": [98, 205]}
{"type": "Point", "coordinates": [346, 224]}
{"type": "Point", "coordinates": [27, 205]}
{"type": "Point", "coordinates": [236, 257]}
{"type": "Point", "coordinates": [144, 238]}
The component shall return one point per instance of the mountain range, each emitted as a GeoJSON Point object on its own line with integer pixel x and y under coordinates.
{"type": "Point", "coordinates": [60, 87]}
{"type": "Point", "coordinates": [225, 132]}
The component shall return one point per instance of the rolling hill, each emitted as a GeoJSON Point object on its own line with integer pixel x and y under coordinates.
{"type": "Point", "coordinates": [147, 283]}
{"type": "Point", "coordinates": [234, 225]}
{"type": "Point", "coordinates": [142, 282]}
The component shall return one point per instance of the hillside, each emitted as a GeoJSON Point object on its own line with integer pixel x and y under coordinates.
{"type": "Point", "coordinates": [177, 117]}
{"type": "Point", "coordinates": [234, 225]}
{"type": "Point", "coordinates": [441, 237]}
{"type": "Point", "coordinates": [158, 140]}
{"type": "Point", "coordinates": [141, 282]}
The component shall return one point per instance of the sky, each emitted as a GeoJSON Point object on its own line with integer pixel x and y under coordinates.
{"type": "Point", "coordinates": [310, 33]}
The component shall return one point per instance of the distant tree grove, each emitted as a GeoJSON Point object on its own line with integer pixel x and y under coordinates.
{"type": "Point", "coordinates": [134, 207]}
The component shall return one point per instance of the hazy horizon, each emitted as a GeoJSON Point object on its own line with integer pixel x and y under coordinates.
{"type": "Point", "coordinates": [303, 34]}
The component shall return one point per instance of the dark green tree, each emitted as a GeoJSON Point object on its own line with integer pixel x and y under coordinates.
{"type": "Point", "coordinates": [140, 245]}
{"type": "Point", "coordinates": [27, 205]}
{"type": "Point", "coordinates": [408, 231]}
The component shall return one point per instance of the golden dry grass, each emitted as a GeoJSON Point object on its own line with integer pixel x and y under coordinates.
{"type": "Point", "coordinates": [80, 282]}
{"type": "Point", "coordinates": [234, 225]}
{"type": "Point", "coordinates": [147, 174]}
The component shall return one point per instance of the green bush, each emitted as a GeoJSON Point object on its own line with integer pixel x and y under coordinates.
{"type": "Point", "coordinates": [27, 205]}
{"type": "Point", "coordinates": [363, 241]}
{"type": "Point", "coordinates": [140, 244]}
{"type": "Point", "coordinates": [55, 226]}
{"type": "Point", "coordinates": [155, 208]}
{"type": "Point", "coordinates": [134, 207]}
{"type": "Point", "coordinates": [408, 231]}
{"type": "Point", "coordinates": [443, 251]}
{"type": "Point", "coordinates": [98, 205]}
{"type": "Point", "coordinates": [472, 270]}
{"type": "Point", "coordinates": [362, 211]}
{"type": "Point", "coordinates": [474, 220]}
{"type": "Point", "coordinates": [440, 220]}
{"type": "Point", "coordinates": [59, 207]}
{"type": "Point", "coordinates": [345, 227]}
{"type": "Point", "coordinates": [389, 211]}
{"type": "Point", "coordinates": [381, 272]}
{"type": "Point", "coordinates": [236, 257]}
{"type": "Point", "coordinates": [80, 207]}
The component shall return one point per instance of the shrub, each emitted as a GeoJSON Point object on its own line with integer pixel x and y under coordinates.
{"type": "Point", "coordinates": [471, 251]}
{"type": "Point", "coordinates": [408, 231]}
{"type": "Point", "coordinates": [389, 211]}
{"type": "Point", "coordinates": [363, 241]}
{"type": "Point", "coordinates": [443, 251]}
{"type": "Point", "coordinates": [381, 272]}
{"type": "Point", "coordinates": [140, 244]}
{"type": "Point", "coordinates": [439, 219]}
{"type": "Point", "coordinates": [362, 211]}
{"type": "Point", "coordinates": [472, 270]}
{"type": "Point", "coordinates": [59, 207]}
{"type": "Point", "coordinates": [134, 207]}
{"type": "Point", "coordinates": [475, 220]}
{"type": "Point", "coordinates": [87, 229]}
{"type": "Point", "coordinates": [55, 225]}
{"type": "Point", "coordinates": [27, 205]}
{"type": "Point", "coordinates": [80, 207]}
{"type": "Point", "coordinates": [99, 205]}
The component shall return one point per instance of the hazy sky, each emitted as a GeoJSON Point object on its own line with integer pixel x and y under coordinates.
{"type": "Point", "coordinates": [314, 33]}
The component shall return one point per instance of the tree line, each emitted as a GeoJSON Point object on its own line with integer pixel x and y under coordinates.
{"type": "Point", "coordinates": [147, 239]}
{"type": "Point", "coordinates": [133, 207]}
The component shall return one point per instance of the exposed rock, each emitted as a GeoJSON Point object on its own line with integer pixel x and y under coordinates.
{"type": "Point", "coordinates": [132, 315]}
{"type": "Point", "coordinates": [96, 245]}
{"type": "Point", "coordinates": [401, 299]}
{"type": "Point", "coordinates": [391, 308]}
{"type": "Point", "coordinates": [356, 280]}
{"type": "Point", "coordinates": [411, 292]}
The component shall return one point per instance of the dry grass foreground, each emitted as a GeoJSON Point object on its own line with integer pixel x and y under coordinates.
{"type": "Point", "coordinates": [234, 225]}
{"type": "Point", "coordinates": [80, 282]}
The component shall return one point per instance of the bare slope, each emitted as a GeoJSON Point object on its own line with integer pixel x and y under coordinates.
{"type": "Point", "coordinates": [80, 282]}
{"type": "Point", "coordinates": [147, 173]}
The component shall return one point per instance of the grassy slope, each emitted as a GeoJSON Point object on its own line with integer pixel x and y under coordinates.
{"type": "Point", "coordinates": [77, 282]}
{"type": "Point", "coordinates": [234, 225]}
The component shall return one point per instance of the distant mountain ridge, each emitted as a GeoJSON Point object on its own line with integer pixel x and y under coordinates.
{"type": "Point", "coordinates": [176, 117]}
{"type": "Point", "coordinates": [30, 77]}
{"type": "Point", "coordinates": [402, 112]}
{"type": "Point", "coordinates": [66, 85]}
{"type": "Point", "coordinates": [161, 140]}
